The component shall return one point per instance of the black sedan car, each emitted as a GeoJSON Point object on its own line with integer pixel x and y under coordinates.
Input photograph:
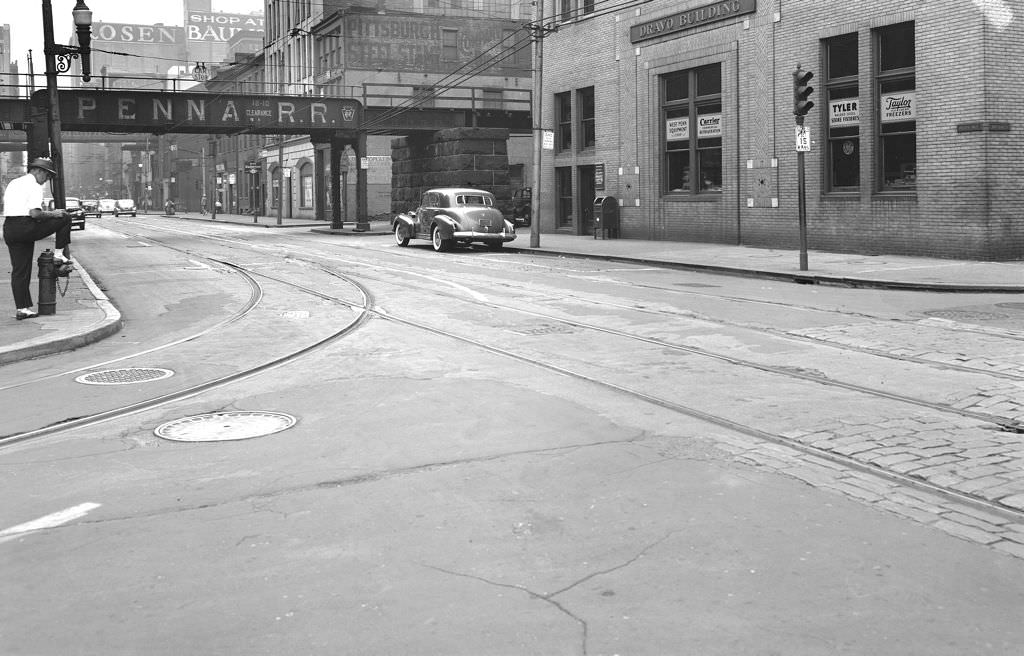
{"type": "Point", "coordinates": [450, 216]}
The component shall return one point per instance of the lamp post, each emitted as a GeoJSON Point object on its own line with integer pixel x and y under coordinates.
{"type": "Point", "coordinates": [58, 60]}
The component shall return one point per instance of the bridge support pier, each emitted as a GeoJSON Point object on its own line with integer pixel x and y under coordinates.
{"type": "Point", "coordinates": [362, 221]}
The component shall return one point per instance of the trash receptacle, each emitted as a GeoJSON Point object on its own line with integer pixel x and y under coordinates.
{"type": "Point", "coordinates": [606, 217]}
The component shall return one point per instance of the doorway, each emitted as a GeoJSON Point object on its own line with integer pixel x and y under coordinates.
{"type": "Point", "coordinates": [586, 175]}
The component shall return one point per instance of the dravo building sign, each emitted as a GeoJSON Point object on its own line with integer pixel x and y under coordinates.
{"type": "Point", "coordinates": [689, 19]}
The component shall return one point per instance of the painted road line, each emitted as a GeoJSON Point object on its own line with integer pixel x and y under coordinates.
{"type": "Point", "coordinates": [50, 521]}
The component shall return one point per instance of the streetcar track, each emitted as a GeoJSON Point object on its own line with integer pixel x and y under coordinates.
{"type": "Point", "coordinates": [370, 309]}
{"type": "Point", "coordinates": [1002, 422]}
{"type": "Point", "coordinates": [148, 404]}
{"type": "Point", "coordinates": [718, 420]}
{"type": "Point", "coordinates": [255, 298]}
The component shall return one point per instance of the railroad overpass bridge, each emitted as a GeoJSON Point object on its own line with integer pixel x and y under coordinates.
{"type": "Point", "coordinates": [332, 124]}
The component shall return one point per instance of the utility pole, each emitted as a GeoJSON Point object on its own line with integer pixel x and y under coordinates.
{"type": "Point", "coordinates": [280, 175]}
{"type": "Point", "coordinates": [535, 111]}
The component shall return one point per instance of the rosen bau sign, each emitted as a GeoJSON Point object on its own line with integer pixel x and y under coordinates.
{"type": "Point", "coordinates": [141, 111]}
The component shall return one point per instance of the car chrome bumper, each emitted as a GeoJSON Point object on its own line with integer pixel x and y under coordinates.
{"type": "Point", "coordinates": [473, 235]}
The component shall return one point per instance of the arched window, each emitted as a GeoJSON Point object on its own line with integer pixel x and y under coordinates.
{"type": "Point", "coordinates": [306, 185]}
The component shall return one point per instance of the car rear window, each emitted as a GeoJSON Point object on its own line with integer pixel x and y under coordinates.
{"type": "Point", "coordinates": [473, 199]}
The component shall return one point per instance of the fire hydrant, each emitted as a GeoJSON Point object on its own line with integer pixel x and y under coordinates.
{"type": "Point", "coordinates": [169, 207]}
{"type": "Point", "coordinates": [47, 283]}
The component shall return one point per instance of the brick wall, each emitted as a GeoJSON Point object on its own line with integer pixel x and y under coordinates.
{"type": "Point", "coordinates": [967, 201]}
{"type": "Point", "coordinates": [458, 157]}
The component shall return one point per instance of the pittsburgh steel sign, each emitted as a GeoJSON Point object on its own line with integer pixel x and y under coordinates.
{"type": "Point", "coordinates": [141, 111]}
{"type": "Point", "coordinates": [689, 19]}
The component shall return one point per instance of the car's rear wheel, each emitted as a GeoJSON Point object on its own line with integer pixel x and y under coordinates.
{"type": "Point", "coordinates": [440, 243]}
{"type": "Point", "coordinates": [495, 245]}
{"type": "Point", "coordinates": [401, 234]}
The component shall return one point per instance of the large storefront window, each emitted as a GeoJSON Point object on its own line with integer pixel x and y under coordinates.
{"type": "Point", "coordinates": [843, 157]}
{"type": "Point", "coordinates": [692, 120]}
{"type": "Point", "coordinates": [897, 107]}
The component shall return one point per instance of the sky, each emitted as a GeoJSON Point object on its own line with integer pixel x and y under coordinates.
{"type": "Point", "coordinates": [26, 19]}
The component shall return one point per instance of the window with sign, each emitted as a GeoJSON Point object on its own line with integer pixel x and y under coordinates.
{"type": "Point", "coordinates": [897, 111]}
{"type": "Point", "coordinates": [844, 112]}
{"type": "Point", "coordinates": [306, 185]}
{"type": "Point", "coordinates": [691, 110]}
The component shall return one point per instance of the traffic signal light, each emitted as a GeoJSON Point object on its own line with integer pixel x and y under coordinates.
{"type": "Point", "coordinates": [801, 91]}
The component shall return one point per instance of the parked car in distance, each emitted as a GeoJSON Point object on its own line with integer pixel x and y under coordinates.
{"type": "Point", "coordinates": [107, 206]}
{"type": "Point", "coordinates": [124, 206]}
{"type": "Point", "coordinates": [91, 207]}
{"type": "Point", "coordinates": [72, 205]}
{"type": "Point", "coordinates": [454, 215]}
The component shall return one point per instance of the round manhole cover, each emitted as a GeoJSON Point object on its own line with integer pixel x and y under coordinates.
{"type": "Point", "coordinates": [965, 315]}
{"type": "Point", "coordinates": [224, 426]}
{"type": "Point", "coordinates": [124, 376]}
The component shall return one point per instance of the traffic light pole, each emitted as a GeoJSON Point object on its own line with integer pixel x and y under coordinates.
{"type": "Point", "coordinates": [801, 106]}
{"type": "Point", "coordinates": [801, 187]}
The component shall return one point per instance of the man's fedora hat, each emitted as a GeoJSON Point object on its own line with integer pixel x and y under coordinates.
{"type": "Point", "coordinates": [44, 164]}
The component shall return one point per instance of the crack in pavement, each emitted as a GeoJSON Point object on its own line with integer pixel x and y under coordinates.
{"type": "Point", "coordinates": [549, 598]}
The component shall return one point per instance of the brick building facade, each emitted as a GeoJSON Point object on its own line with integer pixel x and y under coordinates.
{"type": "Point", "coordinates": [684, 112]}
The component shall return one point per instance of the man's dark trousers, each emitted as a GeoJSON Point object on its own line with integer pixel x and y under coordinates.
{"type": "Point", "coordinates": [21, 234]}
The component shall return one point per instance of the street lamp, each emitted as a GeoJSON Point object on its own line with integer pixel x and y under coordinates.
{"type": "Point", "coordinates": [58, 60]}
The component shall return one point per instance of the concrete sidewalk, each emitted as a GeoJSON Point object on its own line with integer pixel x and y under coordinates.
{"type": "Point", "coordinates": [84, 314]}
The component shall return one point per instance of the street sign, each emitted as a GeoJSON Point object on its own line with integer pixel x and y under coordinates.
{"type": "Point", "coordinates": [803, 139]}
{"type": "Point", "coordinates": [549, 140]}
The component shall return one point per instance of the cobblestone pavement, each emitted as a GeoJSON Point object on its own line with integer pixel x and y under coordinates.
{"type": "Point", "coordinates": [1002, 531]}
{"type": "Point", "coordinates": [973, 467]}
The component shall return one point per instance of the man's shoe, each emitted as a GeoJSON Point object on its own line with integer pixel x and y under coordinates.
{"type": "Point", "coordinates": [26, 313]}
{"type": "Point", "coordinates": [59, 258]}
{"type": "Point", "coordinates": [63, 270]}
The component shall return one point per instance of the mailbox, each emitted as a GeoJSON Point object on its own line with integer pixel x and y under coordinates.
{"type": "Point", "coordinates": [606, 217]}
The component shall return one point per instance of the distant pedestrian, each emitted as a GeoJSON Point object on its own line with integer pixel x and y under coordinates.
{"type": "Point", "coordinates": [25, 223]}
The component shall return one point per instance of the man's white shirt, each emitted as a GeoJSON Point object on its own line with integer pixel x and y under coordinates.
{"type": "Point", "coordinates": [23, 195]}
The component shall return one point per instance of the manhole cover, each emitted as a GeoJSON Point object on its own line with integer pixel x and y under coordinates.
{"type": "Point", "coordinates": [224, 426]}
{"type": "Point", "coordinates": [124, 376]}
{"type": "Point", "coordinates": [965, 315]}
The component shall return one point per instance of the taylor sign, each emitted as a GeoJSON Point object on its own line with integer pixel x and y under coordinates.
{"type": "Point", "coordinates": [199, 112]}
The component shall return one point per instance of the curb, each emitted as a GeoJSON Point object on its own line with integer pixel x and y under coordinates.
{"type": "Point", "coordinates": [797, 278]}
{"type": "Point", "coordinates": [111, 323]}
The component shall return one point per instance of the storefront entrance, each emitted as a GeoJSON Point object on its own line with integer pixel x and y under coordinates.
{"type": "Point", "coordinates": [585, 176]}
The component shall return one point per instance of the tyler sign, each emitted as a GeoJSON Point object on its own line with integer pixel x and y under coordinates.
{"type": "Point", "coordinates": [142, 111]}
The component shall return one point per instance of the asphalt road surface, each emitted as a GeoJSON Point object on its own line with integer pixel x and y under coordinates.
{"type": "Point", "coordinates": [314, 444]}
